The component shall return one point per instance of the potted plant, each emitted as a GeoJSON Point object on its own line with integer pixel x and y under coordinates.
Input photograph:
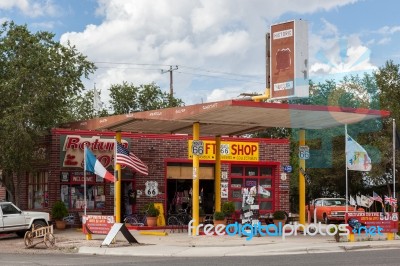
{"type": "Point", "coordinates": [228, 208]}
{"type": "Point", "coordinates": [151, 214]}
{"type": "Point", "coordinates": [58, 212]}
{"type": "Point", "coordinates": [202, 214]}
{"type": "Point", "coordinates": [219, 218]}
{"type": "Point", "coordinates": [279, 217]}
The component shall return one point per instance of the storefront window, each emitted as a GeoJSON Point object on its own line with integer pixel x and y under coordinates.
{"type": "Point", "coordinates": [73, 190]}
{"type": "Point", "coordinates": [248, 177]}
{"type": "Point", "coordinates": [38, 197]}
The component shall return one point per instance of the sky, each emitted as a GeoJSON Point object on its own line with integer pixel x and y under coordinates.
{"type": "Point", "coordinates": [217, 46]}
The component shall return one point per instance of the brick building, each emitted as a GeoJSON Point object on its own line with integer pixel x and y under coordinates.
{"type": "Point", "coordinates": [248, 162]}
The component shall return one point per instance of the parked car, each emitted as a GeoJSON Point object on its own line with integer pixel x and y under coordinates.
{"type": "Point", "coordinates": [13, 220]}
{"type": "Point", "coordinates": [329, 209]}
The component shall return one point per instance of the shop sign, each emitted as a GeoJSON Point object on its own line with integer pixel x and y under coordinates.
{"type": "Point", "coordinates": [73, 146]}
{"type": "Point", "coordinates": [151, 189]}
{"type": "Point", "coordinates": [287, 168]}
{"type": "Point", "coordinates": [230, 151]}
{"type": "Point", "coordinates": [97, 224]}
{"type": "Point", "coordinates": [360, 221]}
{"type": "Point", "coordinates": [224, 190]}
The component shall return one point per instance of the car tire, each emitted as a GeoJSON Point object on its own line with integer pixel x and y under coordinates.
{"type": "Point", "coordinates": [39, 224]}
{"type": "Point", "coordinates": [326, 220]}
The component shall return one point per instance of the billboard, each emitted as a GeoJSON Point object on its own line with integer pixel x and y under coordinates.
{"type": "Point", "coordinates": [289, 60]}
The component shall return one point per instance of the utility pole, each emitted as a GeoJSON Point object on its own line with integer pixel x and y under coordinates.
{"type": "Point", "coordinates": [171, 82]}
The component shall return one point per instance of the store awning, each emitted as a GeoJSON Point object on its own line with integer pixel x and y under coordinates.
{"type": "Point", "coordinates": [230, 118]}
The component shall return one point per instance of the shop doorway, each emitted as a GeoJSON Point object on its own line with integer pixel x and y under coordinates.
{"type": "Point", "coordinates": [128, 198]}
{"type": "Point", "coordinates": [179, 195]}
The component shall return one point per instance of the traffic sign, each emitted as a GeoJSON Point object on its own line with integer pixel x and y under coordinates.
{"type": "Point", "coordinates": [304, 152]}
{"type": "Point", "coordinates": [198, 147]}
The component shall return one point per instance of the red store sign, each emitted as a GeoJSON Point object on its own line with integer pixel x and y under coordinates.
{"type": "Point", "coordinates": [97, 224]}
{"type": "Point", "coordinates": [388, 221]}
{"type": "Point", "coordinates": [102, 148]}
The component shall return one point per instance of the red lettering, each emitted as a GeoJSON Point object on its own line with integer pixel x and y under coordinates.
{"type": "Point", "coordinates": [105, 160]}
{"type": "Point", "coordinates": [210, 146]}
{"type": "Point", "coordinates": [72, 143]}
{"type": "Point", "coordinates": [244, 149]}
{"type": "Point", "coordinates": [234, 151]}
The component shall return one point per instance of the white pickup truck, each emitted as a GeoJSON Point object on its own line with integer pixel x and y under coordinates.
{"type": "Point", "coordinates": [13, 220]}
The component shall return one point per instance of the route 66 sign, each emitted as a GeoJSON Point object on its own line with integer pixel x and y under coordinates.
{"type": "Point", "coordinates": [151, 189]}
{"type": "Point", "coordinates": [304, 152]}
{"type": "Point", "coordinates": [197, 147]}
{"type": "Point", "coordinates": [224, 149]}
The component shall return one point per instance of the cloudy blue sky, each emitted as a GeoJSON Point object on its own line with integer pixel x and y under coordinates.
{"type": "Point", "coordinates": [218, 45]}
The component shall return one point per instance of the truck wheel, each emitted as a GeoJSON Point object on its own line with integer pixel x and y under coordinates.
{"type": "Point", "coordinates": [38, 224]}
{"type": "Point", "coordinates": [326, 220]}
{"type": "Point", "coordinates": [20, 233]}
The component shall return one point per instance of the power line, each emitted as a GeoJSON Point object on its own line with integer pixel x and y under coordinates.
{"type": "Point", "coordinates": [211, 72]}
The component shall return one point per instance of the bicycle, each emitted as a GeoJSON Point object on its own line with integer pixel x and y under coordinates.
{"type": "Point", "coordinates": [136, 219]}
{"type": "Point", "coordinates": [180, 218]}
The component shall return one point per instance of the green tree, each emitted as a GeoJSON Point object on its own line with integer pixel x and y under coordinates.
{"type": "Point", "coordinates": [127, 98]}
{"type": "Point", "coordinates": [38, 79]}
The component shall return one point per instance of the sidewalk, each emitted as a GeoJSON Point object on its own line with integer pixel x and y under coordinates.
{"type": "Point", "coordinates": [184, 245]}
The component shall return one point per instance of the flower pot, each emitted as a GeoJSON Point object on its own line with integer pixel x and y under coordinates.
{"type": "Point", "coordinates": [276, 222]}
{"type": "Point", "coordinates": [151, 221]}
{"type": "Point", "coordinates": [61, 224]}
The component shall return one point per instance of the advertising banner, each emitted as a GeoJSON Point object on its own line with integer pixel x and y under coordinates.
{"type": "Point", "coordinates": [360, 222]}
{"type": "Point", "coordinates": [97, 224]}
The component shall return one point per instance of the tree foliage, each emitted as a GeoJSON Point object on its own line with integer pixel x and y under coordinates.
{"type": "Point", "coordinates": [326, 166]}
{"type": "Point", "coordinates": [127, 98]}
{"type": "Point", "coordinates": [39, 77]}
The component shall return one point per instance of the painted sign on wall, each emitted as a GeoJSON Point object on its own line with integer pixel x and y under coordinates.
{"type": "Point", "coordinates": [230, 151]}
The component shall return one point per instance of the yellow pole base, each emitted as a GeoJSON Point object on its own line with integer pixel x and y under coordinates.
{"type": "Point", "coordinates": [154, 233]}
{"type": "Point", "coordinates": [88, 236]}
{"type": "Point", "coordinates": [351, 238]}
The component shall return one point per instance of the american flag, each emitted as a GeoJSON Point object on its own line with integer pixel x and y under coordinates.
{"type": "Point", "coordinates": [390, 200]}
{"type": "Point", "coordinates": [124, 157]}
{"type": "Point", "coordinates": [376, 197]}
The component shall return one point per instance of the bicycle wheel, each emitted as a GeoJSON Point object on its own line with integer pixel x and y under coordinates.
{"type": "Point", "coordinates": [131, 220]}
{"type": "Point", "coordinates": [172, 220]}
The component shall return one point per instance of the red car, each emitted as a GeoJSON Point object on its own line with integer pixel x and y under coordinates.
{"type": "Point", "coordinates": [329, 209]}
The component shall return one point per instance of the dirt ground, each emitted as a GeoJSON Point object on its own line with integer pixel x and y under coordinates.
{"type": "Point", "coordinates": [67, 241]}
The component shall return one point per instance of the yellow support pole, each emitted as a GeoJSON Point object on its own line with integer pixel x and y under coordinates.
{"type": "Point", "coordinates": [117, 185]}
{"type": "Point", "coordinates": [195, 190]}
{"type": "Point", "coordinates": [217, 181]}
{"type": "Point", "coordinates": [302, 183]}
{"type": "Point", "coordinates": [390, 236]}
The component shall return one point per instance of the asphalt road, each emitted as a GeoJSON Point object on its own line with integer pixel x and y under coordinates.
{"type": "Point", "coordinates": [353, 258]}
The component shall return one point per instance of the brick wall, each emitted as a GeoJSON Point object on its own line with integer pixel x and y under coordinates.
{"type": "Point", "coordinates": [155, 151]}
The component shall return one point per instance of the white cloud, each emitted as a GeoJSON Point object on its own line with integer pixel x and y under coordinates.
{"type": "Point", "coordinates": [31, 8]}
{"type": "Point", "coordinates": [225, 35]}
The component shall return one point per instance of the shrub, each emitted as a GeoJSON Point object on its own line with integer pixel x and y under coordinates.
{"type": "Point", "coordinates": [228, 208]}
{"type": "Point", "coordinates": [59, 210]}
{"type": "Point", "coordinates": [219, 216]}
{"type": "Point", "coordinates": [279, 215]}
{"type": "Point", "coordinates": [151, 210]}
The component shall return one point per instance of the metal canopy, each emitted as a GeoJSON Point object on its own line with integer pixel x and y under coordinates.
{"type": "Point", "coordinates": [230, 117]}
